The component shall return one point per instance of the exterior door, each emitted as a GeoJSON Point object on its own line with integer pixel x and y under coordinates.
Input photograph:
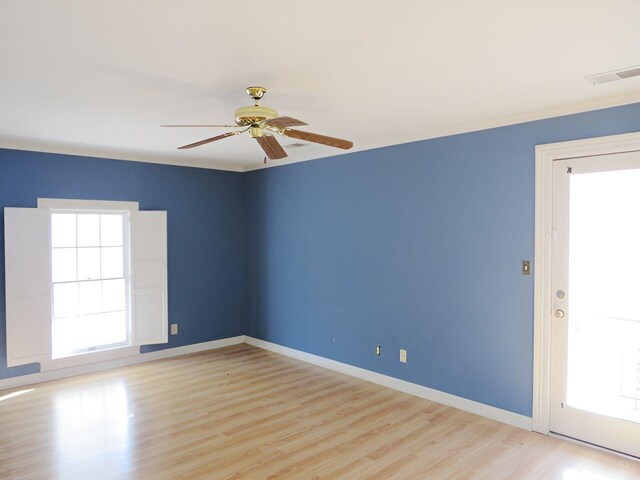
{"type": "Point", "coordinates": [595, 332]}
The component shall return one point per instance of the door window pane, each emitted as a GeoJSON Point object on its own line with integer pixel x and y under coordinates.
{"type": "Point", "coordinates": [604, 305]}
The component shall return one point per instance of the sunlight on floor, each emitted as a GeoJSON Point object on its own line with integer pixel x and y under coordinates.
{"type": "Point", "coordinates": [580, 474]}
{"type": "Point", "coordinates": [92, 426]}
{"type": "Point", "coordinates": [15, 394]}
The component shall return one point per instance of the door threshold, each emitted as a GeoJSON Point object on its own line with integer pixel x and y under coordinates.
{"type": "Point", "coordinates": [594, 446]}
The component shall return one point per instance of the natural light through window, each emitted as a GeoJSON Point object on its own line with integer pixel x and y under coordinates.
{"type": "Point", "coordinates": [15, 394]}
{"type": "Point", "coordinates": [89, 282]}
{"type": "Point", "coordinates": [604, 330]}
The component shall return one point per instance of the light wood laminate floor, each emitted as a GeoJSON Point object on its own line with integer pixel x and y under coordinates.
{"type": "Point", "coordinates": [245, 413]}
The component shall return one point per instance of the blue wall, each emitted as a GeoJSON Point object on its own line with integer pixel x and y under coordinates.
{"type": "Point", "coordinates": [207, 266]}
{"type": "Point", "coordinates": [416, 246]}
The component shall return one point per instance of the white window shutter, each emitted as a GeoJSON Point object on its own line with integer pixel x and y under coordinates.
{"type": "Point", "coordinates": [27, 235]}
{"type": "Point", "coordinates": [149, 271]}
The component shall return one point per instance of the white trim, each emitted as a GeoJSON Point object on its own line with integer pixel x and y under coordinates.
{"type": "Point", "coordinates": [545, 156]}
{"type": "Point", "coordinates": [122, 362]}
{"type": "Point", "coordinates": [66, 204]}
{"type": "Point", "coordinates": [460, 403]}
{"type": "Point", "coordinates": [88, 151]}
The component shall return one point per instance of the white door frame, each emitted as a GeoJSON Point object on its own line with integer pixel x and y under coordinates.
{"type": "Point", "coordinates": [545, 156]}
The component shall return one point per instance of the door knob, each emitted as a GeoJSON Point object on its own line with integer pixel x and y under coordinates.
{"type": "Point", "coordinates": [559, 313]}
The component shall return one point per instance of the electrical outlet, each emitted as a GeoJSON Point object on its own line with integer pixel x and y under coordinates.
{"type": "Point", "coordinates": [378, 350]}
{"type": "Point", "coordinates": [403, 356]}
{"type": "Point", "coordinates": [174, 329]}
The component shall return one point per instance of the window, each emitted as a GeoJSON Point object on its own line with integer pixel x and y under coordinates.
{"type": "Point", "coordinates": [90, 281]}
{"type": "Point", "coordinates": [86, 281]}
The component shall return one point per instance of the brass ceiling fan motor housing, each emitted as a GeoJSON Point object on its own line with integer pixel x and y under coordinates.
{"type": "Point", "coordinates": [246, 116]}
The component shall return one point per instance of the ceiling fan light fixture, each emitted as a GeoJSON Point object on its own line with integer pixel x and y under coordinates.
{"type": "Point", "coordinates": [256, 132]}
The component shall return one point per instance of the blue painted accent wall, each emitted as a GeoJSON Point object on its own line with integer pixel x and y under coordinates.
{"type": "Point", "coordinates": [415, 246]}
{"type": "Point", "coordinates": [206, 238]}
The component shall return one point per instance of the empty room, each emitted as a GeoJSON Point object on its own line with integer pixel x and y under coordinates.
{"type": "Point", "coordinates": [319, 240]}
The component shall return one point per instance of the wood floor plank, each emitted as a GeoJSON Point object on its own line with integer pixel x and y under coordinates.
{"type": "Point", "coordinates": [242, 413]}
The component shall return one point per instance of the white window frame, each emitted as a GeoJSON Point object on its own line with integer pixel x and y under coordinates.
{"type": "Point", "coordinates": [95, 206]}
{"type": "Point", "coordinates": [126, 244]}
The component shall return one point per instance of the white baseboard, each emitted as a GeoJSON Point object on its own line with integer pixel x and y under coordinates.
{"type": "Point", "coordinates": [460, 403]}
{"type": "Point", "coordinates": [120, 362]}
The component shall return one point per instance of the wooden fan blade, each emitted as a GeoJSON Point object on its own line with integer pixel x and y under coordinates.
{"type": "Point", "coordinates": [316, 138]}
{"type": "Point", "coordinates": [198, 126]}
{"type": "Point", "coordinates": [283, 122]}
{"type": "Point", "coordinates": [208, 140]}
{"type": "Point", "coordinates": [271, 147]}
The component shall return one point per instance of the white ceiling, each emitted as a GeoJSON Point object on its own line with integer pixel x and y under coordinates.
{"type": "Point", "coordinates": [97, 77]}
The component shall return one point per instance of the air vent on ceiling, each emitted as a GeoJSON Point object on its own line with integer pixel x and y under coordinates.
{"type": "Point", "coordinates": [621, 74]}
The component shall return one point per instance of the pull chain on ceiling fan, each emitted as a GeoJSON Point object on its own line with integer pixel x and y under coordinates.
{"type": "Point", "coordinates": [262, 123]}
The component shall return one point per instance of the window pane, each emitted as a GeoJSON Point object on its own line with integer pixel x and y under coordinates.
{"type": "Point", "coordinates": [80, 333]}
{"type": "Point", "coordinates": [88, 263]}
{"type": "Point", "coordinates": [112, 262]}
{"type": "Point", "coordinates": [65, 300]}
{"type": "Point", "coordinates": [113, 295]}
{"type": "Point", "coordinates": [88, 230]}
{"type": "Point", "coordinates": [109, 328]}
{"type": "Point", "coordinates": [111, 230]}
{"type": "Point", "coordinates": [64, 264]}
{"type": "Point", "coordinates": [89, 313]}
{"type": "Point", "coordinates": [90, 297]}
{"type": "Point", "coordinates": [63, 230]}
{"type": "Point", "coordinates": [66, 337]}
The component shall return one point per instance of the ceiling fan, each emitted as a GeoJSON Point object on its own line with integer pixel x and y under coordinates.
{"type": "Point", "coordinates": [262, 123]}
